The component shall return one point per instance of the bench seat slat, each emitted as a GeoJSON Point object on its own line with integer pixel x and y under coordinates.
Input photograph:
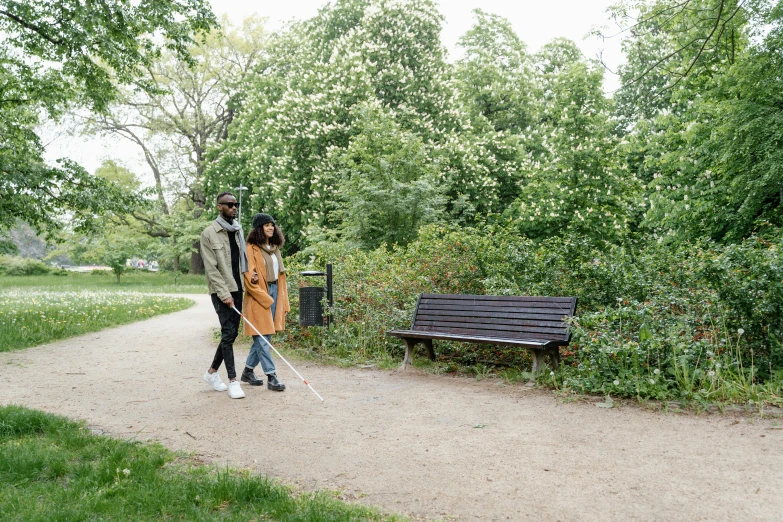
{"type": "Point", "coordinates": [511, 329]}
{"type": "Point", "coordinates": [535, 344]}
{"type": "Point", "coordinates": [488, 332]}
{"type": "Point", "coordinates": [552, 323]}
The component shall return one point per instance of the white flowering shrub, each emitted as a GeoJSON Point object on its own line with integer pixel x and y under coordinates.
{"type": "Point", "coordinates": [571, 181]}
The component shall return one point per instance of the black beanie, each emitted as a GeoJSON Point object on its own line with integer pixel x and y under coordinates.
{"type": "Point", "coordinates": [259, 220]}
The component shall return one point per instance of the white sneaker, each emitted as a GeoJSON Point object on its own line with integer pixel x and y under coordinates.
{"type": "Point", "coordinates": [235, 390]}
{"type": "Point", "coordinates": [215, 380]}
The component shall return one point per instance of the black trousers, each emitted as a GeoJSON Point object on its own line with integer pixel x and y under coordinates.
{"type": "Point", "coordinates": [229, 329]}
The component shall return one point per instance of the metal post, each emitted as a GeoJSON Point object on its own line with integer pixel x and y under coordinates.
{"type": "Point", "coordinates": [329, 294]}
{"type": "Point", "coordinates": [240, 188]}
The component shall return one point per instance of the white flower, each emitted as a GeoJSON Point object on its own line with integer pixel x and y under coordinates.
{"type": "Point", "coordinates": [652, 381]}
{"type": "Point", "coordinates": [740, 331]}
{"type": "Point", "coordinates": [126, 472]}
{"type": "Point", "coordinates": [711, 373]}
{"type": "Point", "coordinates": [656, 371]}
{"type": "Point", "coordinates": [616, 382]}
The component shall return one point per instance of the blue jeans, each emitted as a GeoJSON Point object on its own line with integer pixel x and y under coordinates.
{"type": "Point", "coordinates": [259, 351]}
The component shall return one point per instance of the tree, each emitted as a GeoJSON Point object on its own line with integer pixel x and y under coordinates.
{"type": "Point", "coordinates": [495, 73]}
{"type": "Point", "coordinates": [390, 186]}
{"type": "Point", "coordinates": [299, 112]}
{"type": "Point", "coordinates": [112, 171]}
{"type": "Point", "coordinates": [571, 183]}
{"type": "Point", "coordinates": [723, 177]}
{"type": "Point", "coordinates": [176, 123]}
{"type": "Point", "coordinates": [58, 54]}
{"type": "Point", "coordinates": [698, 35]}
{"type": "Point", "coordinates": [700, 99]}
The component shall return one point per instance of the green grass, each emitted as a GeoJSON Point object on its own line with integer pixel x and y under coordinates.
{"type": "Point", "coordinates": [135, 281]}
{"type": "Point", "coordinates": [53, 469]}
{"type": "Point", "coordinates": [29, 317]}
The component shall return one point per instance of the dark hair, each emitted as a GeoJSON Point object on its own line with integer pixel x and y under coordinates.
{"type": "Point", "coordinates": [224, 194]}
{"type": "Point", "coordinates": [258, 238]}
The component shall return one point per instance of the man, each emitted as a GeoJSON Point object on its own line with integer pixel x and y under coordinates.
{"type": "Point", "coordinates": [225, 260]}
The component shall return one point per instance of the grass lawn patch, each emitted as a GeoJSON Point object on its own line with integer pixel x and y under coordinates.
{"type": "Point", "coordinates": [32, 317]}
{"type": "Point", "coordinates": [135, 281]}
{"type": "Point", "coordinates": [54, 469]}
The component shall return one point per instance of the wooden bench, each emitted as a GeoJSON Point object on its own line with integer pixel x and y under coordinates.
{"type": "Point", "coordinates": [535, 323]}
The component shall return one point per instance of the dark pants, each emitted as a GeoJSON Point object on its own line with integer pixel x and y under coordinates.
{"type": "Point", "coordinates": [229, 329]}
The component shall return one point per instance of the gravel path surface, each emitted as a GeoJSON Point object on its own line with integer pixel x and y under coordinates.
{"type": "Point", "coordinates": [431, 447]}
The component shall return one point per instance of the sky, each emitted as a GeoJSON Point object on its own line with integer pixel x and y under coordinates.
{"type": "Point", "coordinates": [536, 22]}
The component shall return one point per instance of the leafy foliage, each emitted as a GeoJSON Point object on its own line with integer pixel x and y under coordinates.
{"type": "Point", "coordinates": [572, 182]}
{"type": "Point", "coordinates": [55, 55]}
{"type": "Point", "coordinates": [18, 266]}
{"type": "Point", "coordinates": [656, 322]}
{"type": "Point", "coordinates": [304, 104]}
{"type": "Point", "coordinates": [389, 186]}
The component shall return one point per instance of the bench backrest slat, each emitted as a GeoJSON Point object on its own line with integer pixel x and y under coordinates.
{"type": "Point", "coordinates": [503, 317]}
{"type": "Point", "coordinates": [515, 298]}
{"type": "Point", "coordinates": [544, 314]}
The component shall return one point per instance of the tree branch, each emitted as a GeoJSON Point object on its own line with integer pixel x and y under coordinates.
{"type": "Point", "coordinates": [34, 28]}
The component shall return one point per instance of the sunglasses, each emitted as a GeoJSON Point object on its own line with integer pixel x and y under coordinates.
{"type": "Point", "coordinates": [229, 204]}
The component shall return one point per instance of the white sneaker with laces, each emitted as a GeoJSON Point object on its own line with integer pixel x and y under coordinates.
{"type": "Point", "coordinates": [235, 390]}
{"type": "Point", "coordinates": [215, 380]}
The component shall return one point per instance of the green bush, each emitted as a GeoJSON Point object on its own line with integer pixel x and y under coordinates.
{"type": "Point", "coordinates": [20, 266]}
{"type": "Point", "coordinates": [8, 247]}
{"type": "Point", "coordinates": [694, 321]}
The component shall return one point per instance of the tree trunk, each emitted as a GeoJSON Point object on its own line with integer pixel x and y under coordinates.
{"type": "Point", "coordinates": [196, 261]}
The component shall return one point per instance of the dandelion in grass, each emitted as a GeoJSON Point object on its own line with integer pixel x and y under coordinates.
{"type": "Point", "coordinates": [616, 382]}
{"type": "Point", "coordinates": [741, 331]}
{"type": "Point", "coordinates": [656, 371]}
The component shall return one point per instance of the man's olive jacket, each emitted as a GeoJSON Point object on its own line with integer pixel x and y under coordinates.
{"type": "Point", "coordinates": [216, 252]}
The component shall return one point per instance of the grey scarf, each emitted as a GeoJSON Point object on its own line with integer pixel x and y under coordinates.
{"type": "Point", "coordinates": [267, 251]}
{"type": "Point", "coordinates": [236, 227]}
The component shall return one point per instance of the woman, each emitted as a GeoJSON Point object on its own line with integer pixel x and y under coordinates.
{"type": "Point", "coordinates": [266, 297]}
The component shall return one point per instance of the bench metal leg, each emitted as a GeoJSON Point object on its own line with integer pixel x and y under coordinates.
{"type": "Point", "coordinates": [538, 362]}
{"type": "Point", "coordinates": [554, 357]}
{"type": "Point", "coordinates": [540, 356]}
{"type": "Point", "coordinates": [430, 349]}
{"type": "Point", "coordinates": [410, 348]}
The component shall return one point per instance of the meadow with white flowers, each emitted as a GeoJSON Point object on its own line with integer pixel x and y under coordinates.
{"type": "Point", "coordinates": [33, 317]}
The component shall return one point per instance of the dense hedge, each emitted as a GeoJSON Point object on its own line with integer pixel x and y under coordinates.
{"type": "Point", "coordinates": [696, 321]}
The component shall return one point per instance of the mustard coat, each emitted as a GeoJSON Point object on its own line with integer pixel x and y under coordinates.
{"type": "Point", "coordinates": [257, 303]}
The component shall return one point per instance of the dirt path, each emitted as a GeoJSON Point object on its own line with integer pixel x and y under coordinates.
{"type": "Point", "coordinates": [407, 441]}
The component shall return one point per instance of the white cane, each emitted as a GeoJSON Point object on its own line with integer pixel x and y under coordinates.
{"type": "Point", "coordinates": [278, 353]}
